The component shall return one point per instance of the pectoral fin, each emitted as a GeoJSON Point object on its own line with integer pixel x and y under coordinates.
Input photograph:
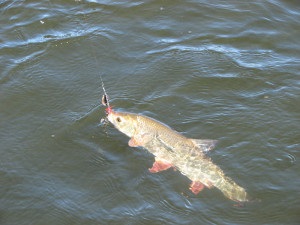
{"type": "Point", "coordinates": [139, 139]}
{"type": "Point", "coordinates": [204, 144]}
{"type": "Point", "coordinates": [133, 142]}
{"type": "Point", "coordinates": [160, 165]}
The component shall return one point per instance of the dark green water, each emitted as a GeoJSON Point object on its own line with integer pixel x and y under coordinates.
{"type": "Point", "coordinates": [225, 70]}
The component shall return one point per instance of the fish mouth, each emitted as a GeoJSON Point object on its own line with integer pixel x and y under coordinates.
{"type": "Point", "coordinates": [110, 114]}
{"type": "Point", "coordinates": [108, 110]}
{"type": "Point", "coordinates": [107, 118]}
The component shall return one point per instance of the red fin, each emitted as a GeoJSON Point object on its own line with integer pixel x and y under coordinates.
{"type": "Point", "coordinates": [196, 187]}
{"type": "Point", "coordinates": [159, 165]}
{"type": "Point", "coordinates": [133, 142]}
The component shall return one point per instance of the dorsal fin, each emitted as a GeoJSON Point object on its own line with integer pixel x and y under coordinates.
{"type": "Point", "coordinates": [204, 144]}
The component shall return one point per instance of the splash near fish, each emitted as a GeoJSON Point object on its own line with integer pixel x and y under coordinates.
{"type": "Point", "coordinates": [173, 150]}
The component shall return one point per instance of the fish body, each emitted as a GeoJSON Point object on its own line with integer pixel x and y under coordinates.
{"type": "Point", "coordinates": [172, 149]}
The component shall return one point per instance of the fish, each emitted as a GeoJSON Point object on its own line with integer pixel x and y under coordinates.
{"type": "Point", "coordinates": [171, 149]}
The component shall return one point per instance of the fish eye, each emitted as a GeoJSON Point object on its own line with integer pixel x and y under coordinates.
{"type": "Point", "coordinates": [118, 119]}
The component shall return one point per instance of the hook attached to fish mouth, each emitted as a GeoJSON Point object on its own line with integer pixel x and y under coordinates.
{"type": "Point", "coordinates": [108, 110]}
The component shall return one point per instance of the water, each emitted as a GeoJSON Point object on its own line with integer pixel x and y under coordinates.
{"type": "Point", "coordinates": [226, 70]}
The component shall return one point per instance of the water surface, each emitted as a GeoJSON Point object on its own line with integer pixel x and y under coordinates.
{"type": "Point", "coordinates": [225, 70]}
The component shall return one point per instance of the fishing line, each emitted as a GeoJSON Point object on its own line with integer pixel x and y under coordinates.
{"type": "Point", "coordinates": [105, 99]}
{"type": "Point", "coordinates": [92, 47]}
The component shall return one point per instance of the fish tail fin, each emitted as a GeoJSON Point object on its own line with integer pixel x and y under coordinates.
{"type": "Point", "coordinates": [204, 144]}
{"type": "Point", "coordinates": [232, 190]}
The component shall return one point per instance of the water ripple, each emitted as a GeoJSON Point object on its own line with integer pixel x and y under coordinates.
{"type": "Point", "coordinates": [224, 70]}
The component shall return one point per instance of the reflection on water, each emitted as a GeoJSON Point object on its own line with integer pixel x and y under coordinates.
{"type": "Point", "coordinates": [221, 70]}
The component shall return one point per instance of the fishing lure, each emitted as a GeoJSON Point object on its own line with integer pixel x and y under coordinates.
{"type": "Point", "coordinates": [105, 98]}
{"type": "Point", "coordinates": [105, 102]}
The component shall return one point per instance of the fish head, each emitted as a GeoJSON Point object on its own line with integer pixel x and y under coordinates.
{"type": "Point", "coordinates": [124, 122]}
